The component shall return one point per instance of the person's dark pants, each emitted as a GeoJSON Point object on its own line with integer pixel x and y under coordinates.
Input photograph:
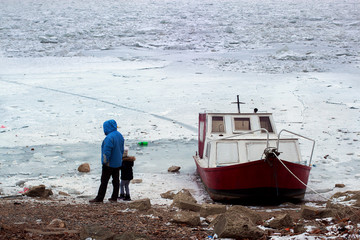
{"type": "Point", "coordinates": [105, 176]}
{"type": "Point", "coordinates": [124, 187]}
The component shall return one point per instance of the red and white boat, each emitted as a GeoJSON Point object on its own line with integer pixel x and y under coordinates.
{"type": "Point", "coordinates": [241, 157]}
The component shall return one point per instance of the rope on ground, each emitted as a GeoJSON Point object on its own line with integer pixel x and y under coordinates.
{"type": "Point", "coordinates": [327, 199]}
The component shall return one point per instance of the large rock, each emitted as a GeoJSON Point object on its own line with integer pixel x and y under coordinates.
{"type": "Point", "coordinates": [57, 223]}
{"type": "Point", "coordinates": [281, 222]}
{"type": "Point", "coordinates": [244, 211]}
{"type": "Point", "coordinates": [310, 213]}
{"type": "Point", "coordinates": [63, 193]}
{"type": "Point", "coordinates": [299, 228]}
{"type": "Point", "coordinates": [85, 167]}
{"type": "Point", "coordinates": [187, 217]}
{"type": "Point", "coordinates": [341, 205]}
{"type": "Point", "coordinates": [174, 169]}
{"type": "Point", "coordinates": [168, 195]}
{"type": "Point", "coordinates": [211, 218]}
{"type": "Point", "coordinates": [211, 209]}
{"type": "Point", "coordinates": [339, 199]}
{"type": "Point", "coordinates": [96, 232]}
{"type": "Point", "coordinates": [184, 195]}
{"type": "Point", "coordinates": [141, 204]}
{"type": "Point", "coordinates": [136, 181]}
{"type": "Point", "coordinates": [339, 185]}
{"type": "Point", "coordinates": [39, 191]}
{"type": "Point", "coordinates": [233, 225]}
{"type": "Point", "coordinates": [190, 206]}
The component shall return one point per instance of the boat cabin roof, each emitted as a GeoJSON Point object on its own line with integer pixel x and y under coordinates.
{"type": "Point", "coordinates": [236, 123]}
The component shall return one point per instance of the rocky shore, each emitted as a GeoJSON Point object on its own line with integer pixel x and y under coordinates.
{"type": "Point", "coordinates": [31, 217]}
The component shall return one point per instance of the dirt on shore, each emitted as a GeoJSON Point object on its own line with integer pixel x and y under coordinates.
{"type": "Point", "coordinates": [31, 220]}
{"type": "Point", "coordinates": [24, 219]}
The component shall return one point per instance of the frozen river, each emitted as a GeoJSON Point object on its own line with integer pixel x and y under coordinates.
{"type": "Point", "coordinates": [67, 66]}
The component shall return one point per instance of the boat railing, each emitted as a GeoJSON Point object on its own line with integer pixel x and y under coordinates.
{"type": "Point", "coordinates": [312, 140]}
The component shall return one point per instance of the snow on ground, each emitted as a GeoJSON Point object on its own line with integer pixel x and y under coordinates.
{"type": "Point", "coordinates": [67, 66]}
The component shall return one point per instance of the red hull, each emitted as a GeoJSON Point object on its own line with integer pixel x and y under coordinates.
{"type": "Point", "coordinates": [258, 180]}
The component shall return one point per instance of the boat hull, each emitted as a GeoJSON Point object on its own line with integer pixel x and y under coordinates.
{"type": "Point", "coordinates": [257, 181]}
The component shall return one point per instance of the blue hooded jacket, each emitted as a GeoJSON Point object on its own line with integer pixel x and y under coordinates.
{"type": "Point", "coordinates": [112, 148]}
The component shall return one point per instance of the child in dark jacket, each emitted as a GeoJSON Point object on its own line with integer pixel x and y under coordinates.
{"type": "Point", "coordinates": [126, 177]}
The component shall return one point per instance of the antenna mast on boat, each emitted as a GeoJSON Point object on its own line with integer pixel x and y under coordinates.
{"type": "Point", "coordinates": [238, 103]}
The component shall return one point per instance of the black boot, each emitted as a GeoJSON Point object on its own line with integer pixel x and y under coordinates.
{"type": "Point", "coordinates": [95, 200]}
{"type": "Point", "coordinates": [127, 198]}
{"type": "Point", "coordinates": [122, 196]}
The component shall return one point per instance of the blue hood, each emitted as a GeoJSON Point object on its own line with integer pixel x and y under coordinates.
{"type": "Point", "coordinates": [112, 148]}
{"type": "Point", "coordinates": [109, 126]}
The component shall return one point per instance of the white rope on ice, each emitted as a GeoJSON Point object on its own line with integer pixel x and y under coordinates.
{"type": "Point", "coordinates": [328, 199]}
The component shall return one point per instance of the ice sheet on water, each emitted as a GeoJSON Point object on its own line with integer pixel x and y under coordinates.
{"type": "Point", "coordinates": [71, 28]}
{"type": "Point", "coordinates": [57, 164]}
{"type": "Point", "coordinates": [220, 48]}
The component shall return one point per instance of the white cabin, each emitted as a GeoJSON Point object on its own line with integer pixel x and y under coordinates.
{"type": "Point", "coordinates": [235, 138]}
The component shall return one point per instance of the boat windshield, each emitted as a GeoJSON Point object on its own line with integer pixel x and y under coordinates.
{"type": "Point", "coordinates": [218, 124]}
{"type": "Point", "coordinates": [242, 124]}
{"type": "Point", "coordinates": [265, 123]}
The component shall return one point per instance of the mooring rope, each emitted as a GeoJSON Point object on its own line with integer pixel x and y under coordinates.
{"type": "Point", "coordinates": [300, 179]}
{"type": "Point", "coordinates": [328, 199]}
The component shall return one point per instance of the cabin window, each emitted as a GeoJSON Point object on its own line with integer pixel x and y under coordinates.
{"type": "Point", "coordinates": [227, 153]}
{"type": "Point", "coordinates": [242, 124]}
{"type": "Point", "coordinates": [265, 123]}
{"type": "Point", "coordinates": [201, 131]}
{"type": "Point", "coordinates": [218, 124]}
{"type": "Point", "coordinates": [207, 153]}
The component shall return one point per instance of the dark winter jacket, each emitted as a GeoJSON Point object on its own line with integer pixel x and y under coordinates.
{"type": "Point", "coordinates": [126, 168]}
{"type": "Point", "coordinates": [112, 147]}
